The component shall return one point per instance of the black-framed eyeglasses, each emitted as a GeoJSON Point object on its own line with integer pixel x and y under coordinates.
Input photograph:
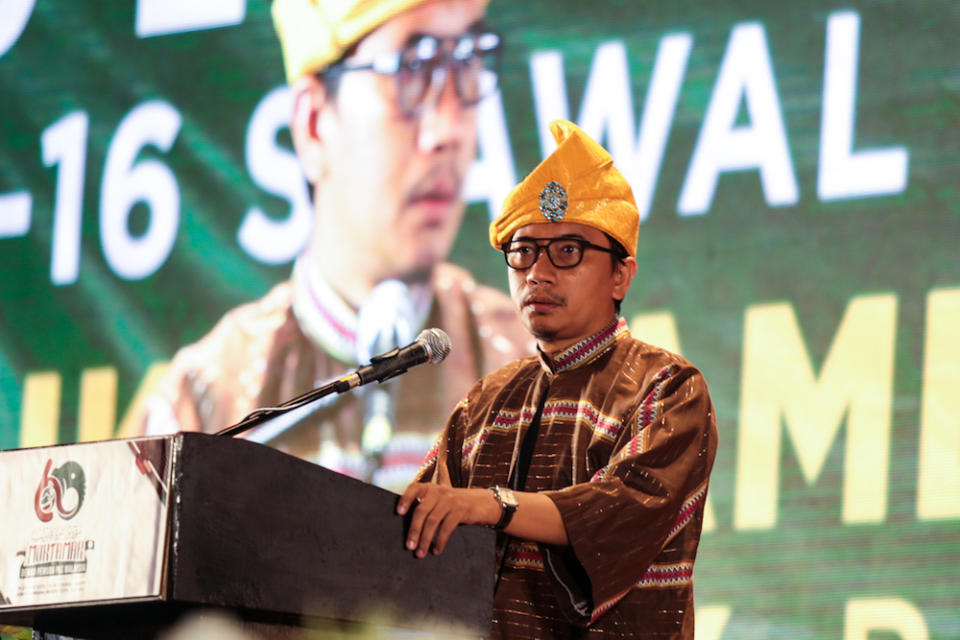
{"type": "Point", "coordinates": [421, 68]}
{"type": "Point", "coordinates": [565, 252]}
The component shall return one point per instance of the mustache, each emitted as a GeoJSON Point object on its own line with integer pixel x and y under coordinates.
{"type": "Point", "coordinates": [543, 295]}
{"type": "Point", "coordinates": [444, 180]}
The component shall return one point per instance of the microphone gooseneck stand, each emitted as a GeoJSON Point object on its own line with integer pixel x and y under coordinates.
{"type": "Point", "coordinates": [260, 416]}
{"type": "Point", "coordinates": [431, 345]}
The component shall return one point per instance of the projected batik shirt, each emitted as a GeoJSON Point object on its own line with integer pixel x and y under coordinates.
{"type": "Point", "coordinates": [624, 449]}
{"type": "Point", "coordinates": [263, 354]}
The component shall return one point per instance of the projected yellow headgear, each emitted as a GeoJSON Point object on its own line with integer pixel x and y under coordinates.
{"type": "Point", "coordinates": [314, 33]}
{"type": "Point", "coordinates": [575, 183]}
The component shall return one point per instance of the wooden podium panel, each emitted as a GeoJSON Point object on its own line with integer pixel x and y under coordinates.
{"type": "Point", "coordinates": [285, 544]}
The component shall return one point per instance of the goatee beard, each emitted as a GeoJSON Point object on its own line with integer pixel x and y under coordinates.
{"type": "Point", "coordinates": [544, 334]}
{"type": "Point", "coordinates": [419, 275]}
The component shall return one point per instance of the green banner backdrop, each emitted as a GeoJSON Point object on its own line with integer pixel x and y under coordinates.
{"type": "Point", "coordinates": [796, 168]}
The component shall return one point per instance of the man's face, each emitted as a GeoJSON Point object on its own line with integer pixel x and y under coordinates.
{"type": "Point", "coordinates": [389, 185]}
{"type": "Point", "coordinates": [562, 306]}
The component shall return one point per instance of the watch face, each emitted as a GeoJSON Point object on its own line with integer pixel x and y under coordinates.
{"type": "Point", "coordinates": [508, 498]}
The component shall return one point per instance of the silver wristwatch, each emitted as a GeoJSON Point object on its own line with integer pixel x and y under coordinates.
{"type": "Point", "coordinates": [508, 505]}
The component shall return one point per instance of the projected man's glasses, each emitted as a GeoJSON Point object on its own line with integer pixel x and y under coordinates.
{"type": "Point", "coordinates": [421, 68]}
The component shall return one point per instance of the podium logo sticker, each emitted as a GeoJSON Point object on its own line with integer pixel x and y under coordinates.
{"type": "Point", "coordinates": [60, 491]}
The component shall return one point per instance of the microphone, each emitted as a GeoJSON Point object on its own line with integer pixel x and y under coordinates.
{"type": "Point", "coordinates": [431, 344]}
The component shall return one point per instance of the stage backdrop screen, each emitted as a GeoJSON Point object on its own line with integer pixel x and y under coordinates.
{"type": "Point", "coordinates": [796, 166]}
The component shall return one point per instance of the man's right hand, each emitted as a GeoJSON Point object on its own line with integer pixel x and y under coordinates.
{"type": "Point", "coordinates": [439, 510]}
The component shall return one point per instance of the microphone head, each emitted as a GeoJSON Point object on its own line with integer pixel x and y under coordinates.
{"type": "Point", "coordinates": [436, 342]}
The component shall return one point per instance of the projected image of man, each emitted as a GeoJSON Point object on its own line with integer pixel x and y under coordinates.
{"type": "Point", "coordinates": [385, 97]}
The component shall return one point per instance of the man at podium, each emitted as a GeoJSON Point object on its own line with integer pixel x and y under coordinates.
{"type": "Point", "coordinates": [592, 457]}
{"type": "Point", "coordinates": [385, 95]}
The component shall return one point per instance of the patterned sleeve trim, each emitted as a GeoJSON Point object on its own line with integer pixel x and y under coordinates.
{"type": "Point", "coordinates": [664, 575]}
{"type": "Point", "coordinates": [657, 576]}
{"type": "Point", "coordinates": [430, 461]}
{"type": "Point", "coordinates": [689, 509]}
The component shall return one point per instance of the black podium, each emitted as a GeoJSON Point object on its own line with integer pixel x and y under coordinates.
{"type": "Point", "coordinates": [282, 545]}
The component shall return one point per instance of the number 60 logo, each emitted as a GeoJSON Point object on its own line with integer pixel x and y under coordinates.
{"type": "Point", "coordinates": [61, 490]}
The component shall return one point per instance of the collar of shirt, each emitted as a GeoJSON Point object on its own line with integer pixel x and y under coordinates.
{"type": "Point", "coordinates": [330, 322]}
{"type": "Point", "coordinates": [586, 350]}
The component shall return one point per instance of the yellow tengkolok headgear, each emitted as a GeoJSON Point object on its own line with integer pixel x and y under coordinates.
{"type": "Point", "coordinates": [314, 33]}
{"type": "Point", "coordinates": [575, 183]}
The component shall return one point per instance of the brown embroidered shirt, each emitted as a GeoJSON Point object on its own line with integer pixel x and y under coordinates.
{"type": "Point", "coordinates": [625, 447]}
